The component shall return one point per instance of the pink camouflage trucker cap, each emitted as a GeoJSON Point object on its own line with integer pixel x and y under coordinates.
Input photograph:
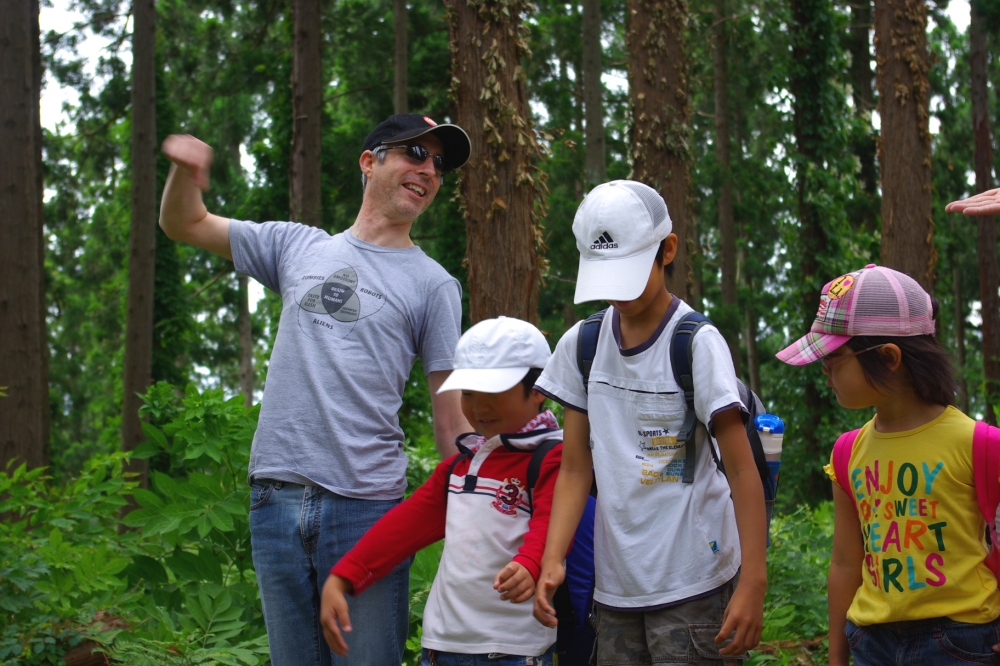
{"type": "Point", "coordinates": [872, 301]}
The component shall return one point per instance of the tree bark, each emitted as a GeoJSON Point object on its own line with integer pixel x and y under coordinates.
{"type": "Point", "coordinates": [243, 325]}
{"type": "Point", "coordinates": [959, 317]}
{"type": "Point", "coordinates": [399, 87]}
{"type": "Point", "coordinates": [24, 413]}
{"type": "Point", "coordinates": [502, 191]}
{"type": "Point", "coordinates": [727, 225]}
{"type": "Point", "coordinates": [905, 148]}
{"type": "Point", "coordinates": [658, 87]}
{"type": "Point", "coordinates": [142, 233]}
{"type": "Point", "coordinates": [989, 278]}
{"type": "Point", "coordinates": [862, 91]}
{"type": "Point", "coordinates": [307, 99]}
{"type": "Point", "coordinates": [811, 78]}
{"type": "Point", "coordinates": [595, 166]}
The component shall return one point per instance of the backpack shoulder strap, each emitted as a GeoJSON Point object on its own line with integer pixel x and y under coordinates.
{"type": "Point", "coordinates": [535, 465]}
{"type": "Point", "coordinates": [986, 471]}
{"type": "Point", "coordinates": [586, 344]}
{"type": "Point", "coordinates": [681, 360]}
{"type": "Point", "coordinates": [842, 459]}
{"type": "Point", "coordinates": [451, 470]}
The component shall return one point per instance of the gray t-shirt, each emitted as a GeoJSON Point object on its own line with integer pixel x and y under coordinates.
{"type": "Point", "coordinates": [354, 318]}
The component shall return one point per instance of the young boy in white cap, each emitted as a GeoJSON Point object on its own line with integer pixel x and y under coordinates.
{"type": "Point", "coordinates": [670, 542]}
{"type": "Point", "coordinates": [487, 506]}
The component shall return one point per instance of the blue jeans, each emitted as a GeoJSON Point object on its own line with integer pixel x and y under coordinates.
{"type": "Point", "coordinates": [935, 642]}
{"type": "Point", "coordinates": [297, 534]}
{"type": "Point", "coordinates": [436, 658]}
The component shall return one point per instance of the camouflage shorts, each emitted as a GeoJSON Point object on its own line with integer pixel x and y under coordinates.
{"type": "Point", "coordinates": [683, 634]}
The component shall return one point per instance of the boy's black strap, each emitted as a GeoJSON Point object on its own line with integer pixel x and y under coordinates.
{"type": "Point", "coordinates": [586, 344]}
{"type": "Point", "coordinates": [682, 360]}
{"type": "Point", "coordinates": [535, 465]}
{"type": "Point", "coordinates": [451, 471]}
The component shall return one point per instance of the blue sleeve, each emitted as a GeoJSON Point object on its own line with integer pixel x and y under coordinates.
{"type": "Point", "coordinates": [441, 328]}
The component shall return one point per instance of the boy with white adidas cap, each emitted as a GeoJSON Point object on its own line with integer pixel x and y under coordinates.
{"type": "Point", "coordinates": [670, 542]}
{"type": "Point", "coordinates": [490, 503]}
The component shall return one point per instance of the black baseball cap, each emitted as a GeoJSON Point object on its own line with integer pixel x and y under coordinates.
{"type": "Point", "coordinates": [403, 126]}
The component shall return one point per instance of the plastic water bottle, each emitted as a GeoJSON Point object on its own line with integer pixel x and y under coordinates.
{"type": "Point", "coordinates": [771, 431]}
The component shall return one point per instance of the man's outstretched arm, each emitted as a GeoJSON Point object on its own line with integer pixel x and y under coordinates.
{"type": "Point", "coordinates": [183, 216]}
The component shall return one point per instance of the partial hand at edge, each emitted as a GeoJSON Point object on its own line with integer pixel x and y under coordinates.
{"type": "Point", "coordinates": [550, 579]}
{"type": "Point", "coordinates": [985, 203]}
{"type": "Point", "coordinates": [334, 613]}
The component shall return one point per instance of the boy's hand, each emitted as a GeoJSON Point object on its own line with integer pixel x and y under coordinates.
{"type": "Point", "coordinates": [334, 609]}
{"type": "Point", "coordinates": [514, 583]}
{"type": "Point", "coordinates": [745, 616]}
{"type": "Point", "coordinates": [551, 578]}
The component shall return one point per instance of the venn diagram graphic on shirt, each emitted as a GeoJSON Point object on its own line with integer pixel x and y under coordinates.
{"type": "Point", "coordinates": [337, 303]}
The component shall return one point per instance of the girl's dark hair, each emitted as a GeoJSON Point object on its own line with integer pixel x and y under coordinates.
{"type": "Point", "coordinates": [669, 268]}
{"type": "Point", "coordinates": [927, 364]}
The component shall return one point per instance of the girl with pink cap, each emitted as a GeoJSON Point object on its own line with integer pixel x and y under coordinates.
{"type": "Point", "coordinates": [910, 581]}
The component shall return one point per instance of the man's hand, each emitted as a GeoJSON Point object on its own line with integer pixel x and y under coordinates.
{"type": "Point", "coordinates": [745, 616]}
{"type": "Point", "coordinates": [987, 203]}
{"type": "Point", "coordinates": [333, 613]}
{"type": "Point", "coordinates": [514, 583]}
{"type": "Point", "coordinates": [551, 578]}
{"type": "Point", "coordinates": [192, 155]}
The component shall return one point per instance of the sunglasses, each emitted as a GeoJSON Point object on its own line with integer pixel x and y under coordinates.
{"type": "Point", "coordinates": [419, 154]}
{"type": "Point", "coordinates": [828, 361]}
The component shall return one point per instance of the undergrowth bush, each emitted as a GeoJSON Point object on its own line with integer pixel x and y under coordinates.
{"type": "Point", "coordinates": [177, 587]}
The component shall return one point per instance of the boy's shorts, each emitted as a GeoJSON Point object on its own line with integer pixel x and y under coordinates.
{"type": "Point", "coordinates": [682, 634]}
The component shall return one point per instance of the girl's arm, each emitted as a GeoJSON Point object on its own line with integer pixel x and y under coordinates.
{"type": "Point", "coordinates": [845, 572]}
{"type": "Point", "coordinates": [572, 488]}
{"type": "Point", "coordinates": [744, 616]}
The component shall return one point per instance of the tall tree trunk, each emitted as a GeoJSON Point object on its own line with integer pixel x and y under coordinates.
{"type": "Point", "coordinates": [307, 100]}
{"type": "Point", "coordinates": [989, 278]}
{"type": "Point", "coordinates": [862, 86]}
{"type": "Point", "coordinates": [727, 227]}
{"type": "Point", "coordinates": [905, 147]}
{"type": "Point", "coordinates": [595, 167]}
{"type": "Point", "coordinates": [399, 87]}
{"type": "Point", "coordinates": [24, 412]}
{"type": "Point", "coordinates": [502, 190]}
{"type": "Point", "coordinates": [658, 87]}
{"type": "Point", "coordinates": [142, 234]}
{"type": "Point", "coordinates": [243, 325]}
{"type": "Point", "coordinates": [811, 78]}
{"type": "Point", "coordinates": [959, 317]}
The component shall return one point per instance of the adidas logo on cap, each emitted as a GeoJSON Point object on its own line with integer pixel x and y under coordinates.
{"type": "Point", "coordinates": [604, 242]}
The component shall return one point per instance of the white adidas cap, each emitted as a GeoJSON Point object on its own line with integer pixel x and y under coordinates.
{"type": "Point", "coordinates": [618, 229]}
{"type": "Point", "coordinates": [495, 354]}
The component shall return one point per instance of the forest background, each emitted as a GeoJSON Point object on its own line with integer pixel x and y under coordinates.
{"type": "Point", "coordinates": [760, 121]}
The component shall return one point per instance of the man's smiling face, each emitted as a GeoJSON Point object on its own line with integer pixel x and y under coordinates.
{"type": "Point", "coordinates": [399, 186]}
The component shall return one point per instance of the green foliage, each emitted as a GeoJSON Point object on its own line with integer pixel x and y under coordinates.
{"type": "Point", "coordinates": [797, 562]}
{"type": "Point", "coordinates": [179, 584]}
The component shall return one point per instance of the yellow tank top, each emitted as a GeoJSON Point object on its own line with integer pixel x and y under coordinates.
{"type": "Point", "coordinates": [923, 532]}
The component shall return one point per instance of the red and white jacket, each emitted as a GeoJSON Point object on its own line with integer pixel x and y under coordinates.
{"type": "Point", "coordinates": [484, 528]}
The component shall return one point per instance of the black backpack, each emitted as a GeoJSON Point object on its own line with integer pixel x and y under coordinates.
{"type": "Point", "coordinates": [681, 358]}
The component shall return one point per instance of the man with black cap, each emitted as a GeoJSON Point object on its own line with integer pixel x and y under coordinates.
{"type": "Point", "coordinates": [358, 308]}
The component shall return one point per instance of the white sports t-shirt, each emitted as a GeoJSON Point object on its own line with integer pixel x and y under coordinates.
{"type": "Point", "coordinates": [656, 540]}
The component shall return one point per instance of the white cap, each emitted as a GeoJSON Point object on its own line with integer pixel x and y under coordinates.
{"type": "Point", "coordinates": [618, 229]}
{"type": "Point", "coordinates": [495, 354]}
